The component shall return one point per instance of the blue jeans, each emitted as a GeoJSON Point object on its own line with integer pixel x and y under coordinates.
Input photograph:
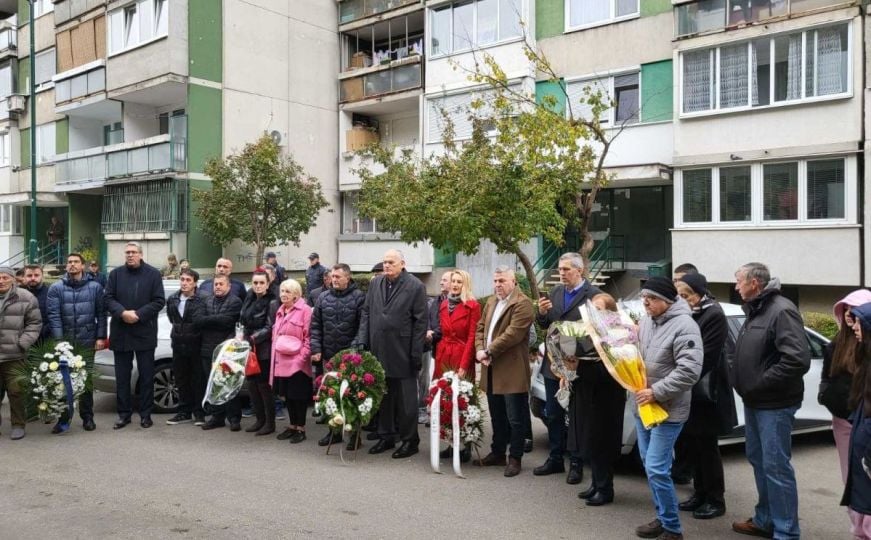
{"type": "Point", "coordinates": [555, 419]}
{"type": "Point", "coordinates": [656, 447]}
{"type": "Point", "coordinates": [769, 450]}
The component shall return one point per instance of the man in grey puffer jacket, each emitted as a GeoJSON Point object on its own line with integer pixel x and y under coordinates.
{"type": "Point", "coordinates": [20, 326]}
{"type": "Point", "coordinates": [671, 346]}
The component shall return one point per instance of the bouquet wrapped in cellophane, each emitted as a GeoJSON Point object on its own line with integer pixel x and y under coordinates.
{"type": "Point", "coordinates": [615, 336]}
{"type": "Point", "coordinates": [561, 342]}
{"type": "Point", "coordinates": [228, 371]}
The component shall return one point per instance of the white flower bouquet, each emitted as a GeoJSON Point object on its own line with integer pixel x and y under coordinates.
{"type": "Point", "coordinates": [58, 380]}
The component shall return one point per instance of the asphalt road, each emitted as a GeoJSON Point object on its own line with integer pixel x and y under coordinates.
{"type": "Point", "coordinates": [181, 482]}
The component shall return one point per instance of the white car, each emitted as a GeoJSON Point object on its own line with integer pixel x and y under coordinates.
{"type": "Point", "coordinates": [810, 417]}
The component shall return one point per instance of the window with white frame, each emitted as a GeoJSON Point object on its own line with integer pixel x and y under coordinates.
{"type": "Point", "coordinates": [583, 13]}
{"type": "Point", "coordinates": [781, 69]}
{"type": "Point", "coordinates": [46, 66]}
{"type": "Point", "coordinates": [137, 23]}
{"type": "Point", "coordinates": [45, 143]}
{"type": "Point", "coordinates": [41, 7]}
{"type": "Point", "coordinates": [6, 80]}
{"type": "Point", "coordinates": [459, 111]}
{"type": "Point", "coordinates": [352, 221]}
{"type": "Point", "coordinates": [707, 15]}
{"type": "Point", "coordinates": [622, 91]}
{"type": "Point", "coordinates": [801, 191]}
{"type": "Point", "coordinates": [460, 26]}
{"type": "Point", "coordinates": [5, 149]}
{"type": "Point", "coordinates": [10, 219]}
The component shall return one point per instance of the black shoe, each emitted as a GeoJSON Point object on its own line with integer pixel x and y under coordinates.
{"type": "Point", "coordinates": [235, 425]}
{"type": "Point", "coordinates": [447, 453]}
{"type": "Point", "coordinates": [120, 423]}
{"type": "Point", "coordinates": [587, 493]}
{"type": "Point", "coordinates": [527, 446]}
{"type": "Point", "coordinates": [255, 427]}
{"type": "Point", "coordinates": [286, 434]}
{"type": "Point", "coordinates": [600, 499]}
{"type": "Point", "coordinates": [692, 503]}
{"type": "Point", "coordinates": [316, 413]}
{"type": "Point", "coordinates": [407, 449]}
{"type": "Point", "coordinates": [330, 438]}
{"type": "Point", "coordinates": [88, 424]}
{"type": "Point", "coordinates": [382, 446]}
{"type": "Point", "coordinates": [213, 424]}
{"type": "Point", "coordinates": [549, 467]}
{"type": "Point", "coordinates": [709, 511]}
{"type": "Point", "coordinates": [373, 436]}
{"type": "Point", "coordinates": [180, 418]}
{"type": "Point", "coordinates": [146, 422]}
{"type": "Point", "coordinates": [354, 444]}
{"type": "Point", "coordinates": [199, 420]}
{"type": "Point", "coordinates": [576, 474]}
{"type": "Point", "coordinates": [297, 437]}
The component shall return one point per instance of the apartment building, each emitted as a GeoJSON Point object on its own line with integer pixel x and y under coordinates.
{"type": "Point", "coordinates": [135, 96]}
{"type": "Point", "coordinates": [768, 141]}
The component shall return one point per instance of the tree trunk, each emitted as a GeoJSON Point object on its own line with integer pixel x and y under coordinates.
{"type": "Point", "coordinates": [585, 210]}
{"type": "Point", "coordinates": [530, 273]}
{"type": "Point", "coordinates": [260, 249]}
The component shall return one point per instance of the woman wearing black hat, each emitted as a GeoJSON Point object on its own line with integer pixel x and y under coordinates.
{"type": "Point", "coordinates": [712, 411]}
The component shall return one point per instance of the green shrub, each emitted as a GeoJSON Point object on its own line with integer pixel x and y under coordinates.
{"type": "Point", "coordinates": [823, 323]}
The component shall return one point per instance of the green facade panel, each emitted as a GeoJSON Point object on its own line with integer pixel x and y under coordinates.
{"type": "Point", "coordinates": [204, 126]}
{"type": "Point", "coordinates": [657, 89]}
{"type": "Point", "coordinates": [655, 7]}
{"type": "Point", "coordinates": [202, 252]}
{"type": "Point", "coordinates": [85, 212]}
{"type": "Point", "coordinates": [551, 88]}
{"type": "Point", "coordinates": [205, 39]}
{"type": "Point", "coordinates": [23, 12]}
{"type": "Point", "coordinates": [62, 136]}
{"type": "Point", "coordinates": [550, 16]}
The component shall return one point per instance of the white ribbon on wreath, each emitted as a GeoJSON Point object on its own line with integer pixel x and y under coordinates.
{"type": "Point", "coordinates": [435, 428]}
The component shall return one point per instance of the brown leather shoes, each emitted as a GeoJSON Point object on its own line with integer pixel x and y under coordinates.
{"type": "Point", "coordinates": [490, 460]}
{"type": "Point", "coordinates": [513, 468]}
{"type": "Point", "coordinates": [649, 530]}
{"type": "Point", "coordinates": [750, 529]}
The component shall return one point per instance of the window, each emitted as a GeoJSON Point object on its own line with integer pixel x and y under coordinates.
{"type": "Point", "coordinates": [590, 12]}
{"type": "Point", "coordinates": [352, 221]}
{"type": "Point", "coordinates": [803, 191]}
{"type": "Point", "coordinates": [458, 109]}
{"type": "Point", "coordinates": [41, 7]}
{"type": "Point", "coordinates": [10, 219]}
{"type": "Point", "coordinates": [5, 149]}
{"type": "Point", "coordinates": [6, 86]}
{"type": "Point", "coordinates": [46, 66]}
{"type": "Point", "coordinates": [137, 23]}
{"type": "Point", "coordinates": [787, 68]}
{"type": "Point", "coordinates": [707, 15]}
{"type": "Point", "coordinates": [45, 143]}
{"type": "Point", "coordinates": [463, 25]}
{"type": "Point", "coordinates": [113, 134]}
{"type": "Point", "coordinates": [155, 206]}
{"type": "Point", "coordinates": [621, 90]}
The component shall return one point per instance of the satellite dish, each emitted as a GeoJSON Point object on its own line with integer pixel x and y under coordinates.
{"type": "Point", "coordinates": [276, 136]}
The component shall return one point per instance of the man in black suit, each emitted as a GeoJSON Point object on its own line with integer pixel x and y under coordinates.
{"type": "Point", "coordinates": [393, 326]}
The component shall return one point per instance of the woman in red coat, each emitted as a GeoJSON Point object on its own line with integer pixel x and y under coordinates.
{"type": "Point", "coordinates": [458, 317]}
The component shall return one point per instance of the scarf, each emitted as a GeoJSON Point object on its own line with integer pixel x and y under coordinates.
{"type": "Point", "coordinates": [453, 302]}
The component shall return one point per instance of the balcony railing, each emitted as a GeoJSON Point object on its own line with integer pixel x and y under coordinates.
{"type": "Point", "coordinates": [8, 40]}
{"type": "Point", "coordinates": [80, 85]}
{"type": "Point", "coordinates": [352, 10]}
{"type": "Point", "coordinates": [155, 155]}
{"type": "Point", "coordinates": [398, 76]}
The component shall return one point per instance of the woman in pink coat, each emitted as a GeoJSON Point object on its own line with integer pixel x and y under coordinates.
{"type": "Point", "coordinates": [291, 373]}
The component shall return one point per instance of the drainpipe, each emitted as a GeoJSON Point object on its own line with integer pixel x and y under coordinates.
{"type": "Point", "coordinates": [33, 244]}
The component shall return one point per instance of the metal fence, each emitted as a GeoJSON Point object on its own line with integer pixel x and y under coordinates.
{"type": "Point", "coordinates": [152, 206]}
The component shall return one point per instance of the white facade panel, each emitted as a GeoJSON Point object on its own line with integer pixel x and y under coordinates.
{"type": "Point", "coordinates": [361, 255]}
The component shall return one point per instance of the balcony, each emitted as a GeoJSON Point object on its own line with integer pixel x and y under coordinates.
{"type": "Point", "coordinates": [8, 42]}
{"type": "Point", "coordinates": [387, 78]}
{"type": "Point", "coordinates": [353, 10]}
{"type": "Point", "coordinates": [95, 167]}
{"type": "Point", "coordinates": [81, 85]}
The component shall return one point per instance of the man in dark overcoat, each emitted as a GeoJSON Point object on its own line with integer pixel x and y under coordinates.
{"type": "Point", "coordinates": [134, 297]}
{"type": "Point", "coordinates": [393, 326]}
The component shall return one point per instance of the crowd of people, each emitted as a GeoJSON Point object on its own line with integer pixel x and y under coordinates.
{"type": "Point", "coordinates": [294, 331]}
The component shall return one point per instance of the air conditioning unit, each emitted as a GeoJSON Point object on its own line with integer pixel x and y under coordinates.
{"type": "Point", "coordinates": [16, 103]}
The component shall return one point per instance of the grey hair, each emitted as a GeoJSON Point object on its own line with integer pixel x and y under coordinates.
{"type": "Point", "coordinates": [504, 270]}
{"type": "Point", "coordinates": [757, 271]}
{"type": "Point", "coordinates": [397, 252]}
{"type": "Point", "coordinates": [137, 245]}
{"type": "Point", "coordinates": [574, 259]}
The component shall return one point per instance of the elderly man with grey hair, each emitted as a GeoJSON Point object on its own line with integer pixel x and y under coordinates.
{"type": "Point", "coordinates": [771, 358]}
{"type": "Point", "coordinates": [393, 326]}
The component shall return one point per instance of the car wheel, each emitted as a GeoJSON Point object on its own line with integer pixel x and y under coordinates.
{"type": "Point", "coordinates": [165, 391]}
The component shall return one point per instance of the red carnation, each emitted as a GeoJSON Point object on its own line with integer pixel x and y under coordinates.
{"type": "Point", "coordinates": [331, 392]}
{"type": "Point", "coordinates": [361, 395]}
{"type": "Point", "coordinates": [442, 384]}
{"type": "Point", "coordinates": [353, 377]}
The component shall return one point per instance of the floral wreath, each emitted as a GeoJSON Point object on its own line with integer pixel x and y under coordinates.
{"type": "Point", "coordinates": [351, 389]}
{"type": "Point", "coordinates": [58, 380]}
{"type": "Point", "coordinates": [471, 421]}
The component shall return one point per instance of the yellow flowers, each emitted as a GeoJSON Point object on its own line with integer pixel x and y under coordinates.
{"type": "Point", "coordinates": [53, 366]}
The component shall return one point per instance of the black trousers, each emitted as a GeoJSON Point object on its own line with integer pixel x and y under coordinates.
{"type": "Point", "coordinates": [123, 373]}
{"type": "Point", "coordinates": [507, 414]}
{"type": "Point", "coordinates": [398, 413]}
{"type": "Point", "coordinates": [703, 454]}
{"type": "Point", "coordinates": [190, 379]}
{"type": "Point", "coordinates": [296, 411]}
{"type": "Point", "coordinates": [232, 410]}
{"type": "Point", "coordinates": [86, 408]}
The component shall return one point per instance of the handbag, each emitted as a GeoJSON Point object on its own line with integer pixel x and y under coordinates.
{"type": "Point", "coordinates": [289, 345]}
{"type": "Point", "coordinates": [252, 366]}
